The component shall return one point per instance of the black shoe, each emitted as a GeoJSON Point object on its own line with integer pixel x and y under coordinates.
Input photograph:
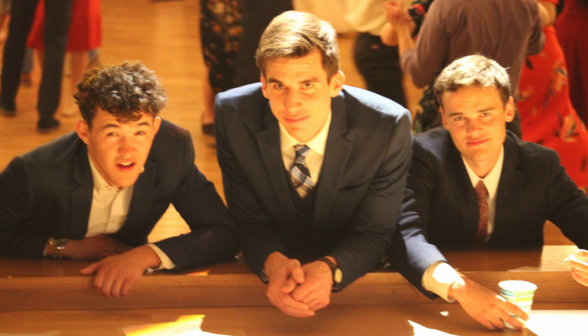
{"type": "Point", "coordinates": [9, 112]}
{"type": "Point", "coordinates": [47, 125]}
{"type": "Point", "coordinates": [208, 129]}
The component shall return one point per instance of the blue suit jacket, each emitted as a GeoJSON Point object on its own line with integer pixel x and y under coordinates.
{"type": "Point", "coordinates": [440, 207]}
{"type": "Point", "coordinates": [358, 195]}
{"type": "Point", "coordinates": [48, 193]}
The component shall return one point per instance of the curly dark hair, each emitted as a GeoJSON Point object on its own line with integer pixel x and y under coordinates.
{"type": "Point", "coordinates": [127, 91]}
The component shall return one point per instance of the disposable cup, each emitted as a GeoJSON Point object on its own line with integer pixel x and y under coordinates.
{"type": "Point", "coordinates": [520, 293]}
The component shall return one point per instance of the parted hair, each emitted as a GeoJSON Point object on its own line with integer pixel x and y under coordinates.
{"type": "Point", "coordinates": [127, 91]}
{"type": "Point", "coordinates": [473, 70]}
{"type": "Point", "coordinates": [295, 34]}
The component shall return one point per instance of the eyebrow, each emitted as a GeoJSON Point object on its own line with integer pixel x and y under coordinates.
{"type": "Point", "coordinates": [107, 126]}
{"type": "Point", "coordinates": [311, 79]}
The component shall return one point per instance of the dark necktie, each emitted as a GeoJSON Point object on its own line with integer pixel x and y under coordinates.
{"type": "Point", "coordinates": [482, 231]}
{"type": "Point", "coordinates": [299, 172]}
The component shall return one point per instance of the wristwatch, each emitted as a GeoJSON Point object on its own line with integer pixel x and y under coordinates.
{"type": "Point", "coordinates": [337, 273]}
{"type": "Point", "coordinates": [58, 246]}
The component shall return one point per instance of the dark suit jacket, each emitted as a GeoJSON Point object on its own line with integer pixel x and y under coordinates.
{"type": "Point", "coordinates": [358, 195]}
{"type": "Point", "coordinates": [48, 193]}
{"type": "Point", "coordinates": [440, 207]}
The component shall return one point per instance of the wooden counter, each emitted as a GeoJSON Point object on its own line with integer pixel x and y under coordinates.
{"type": "Point", "coordinates": [341, 320]}
{"type": "Point", "coordinates": [50, 284]}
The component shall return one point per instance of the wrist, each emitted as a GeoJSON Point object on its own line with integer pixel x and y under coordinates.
{"type": "Point", "coordinates": [272, 261]}
{"type": "Point", "coordinates": [457, 288]}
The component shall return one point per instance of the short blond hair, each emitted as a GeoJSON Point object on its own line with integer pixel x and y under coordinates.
{"type": "Point", "coordinates": [473, 70]}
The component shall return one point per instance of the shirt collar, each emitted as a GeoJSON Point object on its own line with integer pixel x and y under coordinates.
{"type": "Point", "coordinates": [491, 180]}
{"type": "Point", "coordinates": [317, 143]}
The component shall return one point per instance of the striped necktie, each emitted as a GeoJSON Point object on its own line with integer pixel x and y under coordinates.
{"type": "Point", "coordinates": [299, 173]}
{"type": "Point", "coordinates": [482, 232]}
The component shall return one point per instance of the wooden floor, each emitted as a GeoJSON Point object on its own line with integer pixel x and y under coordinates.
{"type": "Point", "coordinates": [164, 36]}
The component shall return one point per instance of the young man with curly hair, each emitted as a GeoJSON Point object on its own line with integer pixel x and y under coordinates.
{"type": "Point", "coordinates": [98, 192]}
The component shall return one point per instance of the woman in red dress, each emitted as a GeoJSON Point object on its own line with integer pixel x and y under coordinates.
{"type": "Point", "coordinates": [572, 32]}
{"type": "Point", "coordinates": [85, 34]}
{"type": "Point", "coordinates": [547, 115]}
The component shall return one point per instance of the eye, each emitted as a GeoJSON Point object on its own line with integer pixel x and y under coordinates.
{"type": "Point", "coordinates": [111, 134]}
{"type": "Point", "coordinates": [458, 118]}
{"type": "Point", "coordinates": [141, 133]}
{"type": "Point", "coordinates": [307, 86]}
{"type": "Point", "coordinates": [278, 86]}
{"type": "Point", "coordinates": [486, 114]}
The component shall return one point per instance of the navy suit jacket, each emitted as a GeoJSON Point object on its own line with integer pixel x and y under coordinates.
{"type": "Point", "coordinates": [358, 195]}
{"type": "Point", "coordinates": [440, 207]}
{"type": "Point", "coordinates": [48, 193]}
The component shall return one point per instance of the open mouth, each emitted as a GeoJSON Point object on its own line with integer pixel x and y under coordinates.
{"type": "Point", "coordinates": [125, 165]}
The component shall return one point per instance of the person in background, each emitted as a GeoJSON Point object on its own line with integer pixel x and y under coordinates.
{"type": "Point", "coordinates": [85, 34]}
{"type": "Point", "coordinates": [503, 30]}
{"type": "Point", "coordinates": [220, 28]}
{"type": "Point", "coordinates": [547, 115]}
{"type": "Point", "coordinates": [378, 64]}
{"type": "Point", "coordinates": [571, 27]}
{"type": "Point", "coordinates": [57, 20]}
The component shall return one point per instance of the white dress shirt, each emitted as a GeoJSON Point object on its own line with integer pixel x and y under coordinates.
{"type": "Point", "coordinates": [439, 276]}
{"type": "Point", "coordinates": [315, 157]}
{"type": "Point", "coordinates": [109, 210]}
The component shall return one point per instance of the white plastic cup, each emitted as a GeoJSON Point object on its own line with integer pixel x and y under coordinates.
{"type": "Point", "coordinates": [520, 293]}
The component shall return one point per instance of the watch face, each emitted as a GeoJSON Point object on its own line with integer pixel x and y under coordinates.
{"type": "Point", "coordinates": [338, 276]}
{"type": "Point", "coordinates": [57, 243]}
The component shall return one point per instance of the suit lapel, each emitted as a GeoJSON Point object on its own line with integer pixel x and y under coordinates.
{"type": "Point", "coordinates": [143, 193]}
{"type": "Point", "coordinates": [464, 192]}
{"type": "Point", "coordinates": [334, 162]}
{"type": "Point", "coordinates": [80, 196]}
{"type": "Point", "coordinates": [268, 140]}
{"type": "Point", "coordinates": [507, 195]}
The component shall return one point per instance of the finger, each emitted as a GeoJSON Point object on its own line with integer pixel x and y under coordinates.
{"type": "Point", "coordinates": [583, 254]}
{"type": "Point", "coordinates": [116, 286]}
{"type": "Point", "coordinates": [287, 300]}
{"type": "Point", "coordinates": [90, 269]}
{"type": "Point", "coordinates": [289, 286]}
{"type": "Point", "coordinates": [297, 273]}
{"type": "Point", "coordinates": [126, 286]}
{"type": "Point", "coordinates": [317, 304]}
{"type": "Point", "coordinates": [296, 312]}
{"type": "Point", "coordinates": [484, 321]}
{"type": "Point", "coordinates": [577, 264]}
{"type": "Point", "coordinates": [305, 289]}
{"type": "Point", "coordinates": [579, 278]}
{"type": "Point", "coordinates": [107, 283]}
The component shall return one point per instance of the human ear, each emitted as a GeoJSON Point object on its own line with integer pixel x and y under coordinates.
{"type": "Point", "coordinates": [83, 131]}
{"type": "Point", "coordinates": [509, 111]}
{"type": "Point", "coordinates": [263, 86]}
{"type": "Point", "coordinates": [337, 82]}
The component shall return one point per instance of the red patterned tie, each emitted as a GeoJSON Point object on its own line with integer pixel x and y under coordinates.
{"type": "Point", "coordinates": [482, 231]}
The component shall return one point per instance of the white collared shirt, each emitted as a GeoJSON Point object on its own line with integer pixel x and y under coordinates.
{"type": "Point", "coordinates": [315, 157]}
{"type": "Point", "coordinates": [110, 207]}
{"type": "Point", "coordinates": [439, 276]}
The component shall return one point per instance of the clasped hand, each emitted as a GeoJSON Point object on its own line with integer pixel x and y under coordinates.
{"type": "Point", "coordinates": [298, 290]}
{"type": "Point", "coordinates": [579, 263]}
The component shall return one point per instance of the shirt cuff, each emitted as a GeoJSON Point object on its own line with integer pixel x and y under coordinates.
{"type": "Point", "coordinates": [166, 262]}
{"type": "Point", "coordinates": [438, 278]}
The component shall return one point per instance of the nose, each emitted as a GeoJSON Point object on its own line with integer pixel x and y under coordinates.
{"type": "Point", "coordinates": [473, 126]}
{"type": "Point", "coordinates": [125, 146]}
{"type": "Point", "coordinates": [292, 99]}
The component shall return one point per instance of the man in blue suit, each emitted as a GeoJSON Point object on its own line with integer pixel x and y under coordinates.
{"type": "Point", "coordinates": [313, 171]}
{"type": "Point", "coordinates": [472, 183]}
{"type": "Point", "coordinates": [98, 192]}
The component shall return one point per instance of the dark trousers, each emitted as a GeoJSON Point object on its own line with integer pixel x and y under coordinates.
{"type": "Point", "coordinates": [256, 16]}
{"type": "Point", "coordinates": [379, 65]}
{"type": "Point", "coordinates": [57, 20]}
